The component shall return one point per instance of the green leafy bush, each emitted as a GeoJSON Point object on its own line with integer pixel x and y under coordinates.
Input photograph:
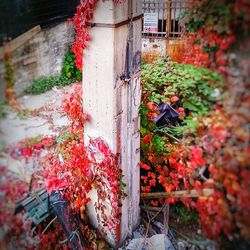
{"type": "Point", "coordinates": [186, 216]}
{"type": "Point", "coordinates": [46, 83]}
{"type": "Point", "coordinates": [69, 69]}
{"type": "Point", "coordinates": [68, 75]}
{"type": "Point", "coordinates": [181, 85]}
{"type": "Point", "coordinates": [3, 102]}
{"type": "Point", "coordinates": [193, 85]}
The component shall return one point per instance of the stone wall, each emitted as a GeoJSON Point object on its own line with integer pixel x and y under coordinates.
{"type": "Point", "coordinates": [42, 55]}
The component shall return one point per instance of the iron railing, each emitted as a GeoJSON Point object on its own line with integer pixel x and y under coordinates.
{"type": "Point", "coordinates": [168, 12]}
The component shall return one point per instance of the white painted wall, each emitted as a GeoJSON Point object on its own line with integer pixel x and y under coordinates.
{"type": "Point", "coordinates": [114, 104]}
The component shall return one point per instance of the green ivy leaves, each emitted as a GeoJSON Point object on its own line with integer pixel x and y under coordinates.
{"type": "Point", "coordinates": [69, 69]}
{"type": "Point", "coordinates": [46, 83]}
{"type": "Point", "coordinates": [193, 85]}
{"type": "Point", "coordinates": [68, 75]}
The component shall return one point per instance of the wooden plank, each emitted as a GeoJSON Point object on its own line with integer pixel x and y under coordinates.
{"type": "Point", "coordinates": [29, 60]}
{"type": "Point", "coordinates": [179, 194]}
{"type": "Point", "coordinates": [20, 40]}
{"type": "Point", "coordinates": [149, 208]}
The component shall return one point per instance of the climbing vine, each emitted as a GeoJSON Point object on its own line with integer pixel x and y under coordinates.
{"type": "Point", "coordinates": [66, 163]}
{"type": "Point", "coordinates": [83, 16]}
{"type": "Point", "coordinates": [201, 150]}
{"type": "Point", "coordinates": [213, 27]}
{"type": "Point", "coordinates": [9, 76]}
{"type": "Point", "coordinates": [78, 169]}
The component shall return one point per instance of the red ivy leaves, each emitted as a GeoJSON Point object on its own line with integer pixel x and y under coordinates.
{"type": "Point", "coordinates": [107, 177]}
{"type": "Point", "coordinates": [71, 166]}
{"type": "Point", "coordinates": [152, 106]}
{"type": "Point", "coordinates": [215, 215]}
{"type": "Point", "coordinates": [144, 166]}
{"type": "Point", "coordinates": [32, 146]}
{"type": "Point", "coordinates": [222, 139]}
{"type": "Point", "coordinates": [73, 108]}
{"type": "Point", "coordinates": [83, 16]}
{"type": "Point", "coordinates": [147, 139]}
{"type": "Point", "coordinates": [84, 168]}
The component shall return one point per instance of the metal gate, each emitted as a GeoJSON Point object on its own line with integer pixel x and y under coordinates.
{"type": "Point", "coordinates": [168, 12]}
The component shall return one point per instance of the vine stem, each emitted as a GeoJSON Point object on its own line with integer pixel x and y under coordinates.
{"type": "Point", "coordinates": [150, 219]}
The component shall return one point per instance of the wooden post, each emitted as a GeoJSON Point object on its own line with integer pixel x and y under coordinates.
{"type": "Point", "coordinates": [111, 96]}
{"type": "Point", "coordinates": [168, 17]}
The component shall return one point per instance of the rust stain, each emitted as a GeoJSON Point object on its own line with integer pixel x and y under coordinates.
{"type": "Point", "coordinates": [151, 57]}
{"type": "Point", "coordinates": [155, 46]}
{"type": "Point", "coordinates": [175, 49]}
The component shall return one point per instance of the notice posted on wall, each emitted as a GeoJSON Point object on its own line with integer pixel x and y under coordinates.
{"type": "Point", "coordinates": [150, 22]}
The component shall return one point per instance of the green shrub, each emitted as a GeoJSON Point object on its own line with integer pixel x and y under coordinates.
{"type": "Point", "coordinates": [46, 83]}
{"type": "Point", "coordinates": [69, 69]}
{"type": "Point", "coordinates": [68, 75]}
{"type": "Point", "coordinates": [195, 88]}
{"type": "Point", "coordinates": [186, 216]}
{"type": "Point", "coordinates": [3, 103]}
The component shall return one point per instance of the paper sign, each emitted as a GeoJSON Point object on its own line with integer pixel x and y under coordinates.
{"type": "Point", "coordinates": [150, 22]}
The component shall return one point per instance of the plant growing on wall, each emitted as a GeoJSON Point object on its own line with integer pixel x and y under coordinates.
{"type": "Point", "coordinates": [9, 71]}
{"type": "Point", "coordinates": [69, 69]}
{"type": "Point", "coordinates": [69, 74]}
{"type": "Point", "coordinates": [85, 168]}
{"type": "Point", "coordinates": [84, 15]}
{"type": "Point", "coordinates": [212, 27]}
{"type": "Point", "coordinates": [77, 169]}
{"type": "Point", "coordinates": [9, 75]}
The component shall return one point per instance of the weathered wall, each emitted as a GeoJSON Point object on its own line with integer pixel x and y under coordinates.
{"type": "Point", "coordinates": [175, 48]}
{"type": "Point", "coordinates": [113, 103]}
{"type": "Point", "coordinates": [154, 48]}
{"type": "Point", "coordinates": [18, 16]}
{"type": "Point", "coordinates": [42, 55]}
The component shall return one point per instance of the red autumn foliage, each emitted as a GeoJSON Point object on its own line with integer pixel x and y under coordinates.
{"type": "Point", "coordinates": [83, 16]}
{"type": "Point", "coordinates": [221, 143]}
{"type": "Point", "coordinates": [144, 166]}
{"type": "Point", "coordinates": [147, 139]}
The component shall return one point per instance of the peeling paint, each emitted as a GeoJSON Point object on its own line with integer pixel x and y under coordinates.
{"type": "Point", "coordinates": [154, 48]}
{"type": "Point", "coordinates": [175, 49]}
